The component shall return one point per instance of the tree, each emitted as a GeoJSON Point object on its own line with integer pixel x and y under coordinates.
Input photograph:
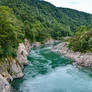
{"type": "Point", "coordinates": [11, 32]}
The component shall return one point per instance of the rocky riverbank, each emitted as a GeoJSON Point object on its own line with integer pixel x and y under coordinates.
{"type": "Point", "coordinates": [13, 68]}
{"type": "Point", "coordinates": [81, 59]}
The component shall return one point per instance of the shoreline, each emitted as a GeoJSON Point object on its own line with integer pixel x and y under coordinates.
{"type": "Point", "coordinates": [16, 66]}
{"type": "Point", "coordinates": [82, 59]}
{"type": "Point", "coordinates": [13, 68]}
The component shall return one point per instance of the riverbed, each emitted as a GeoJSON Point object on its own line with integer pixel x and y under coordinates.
{"type": "Point", "coordinates": [51, 72]}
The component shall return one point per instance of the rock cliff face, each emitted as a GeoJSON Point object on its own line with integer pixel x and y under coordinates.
{"type": "Point", "coordinates": [4, 85]}
{"type": "Point", "coordinates": [81, 59]}
{"type": "Point", "coordinates": [13, 68]}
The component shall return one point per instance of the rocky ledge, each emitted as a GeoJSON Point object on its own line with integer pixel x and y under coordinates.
{"type": "Point", "coordinates": [81, 59]}
{"type": "Point", "coordinates": [4, 85]}
{"type": "Point", "coordinates": [12, 68]}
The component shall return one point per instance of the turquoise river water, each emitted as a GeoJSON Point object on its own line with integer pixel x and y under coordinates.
{"type": "Point", "coordinates": [51, 72]}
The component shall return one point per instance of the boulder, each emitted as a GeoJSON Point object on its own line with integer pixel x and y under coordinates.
{"type": "Point", "coordinates": [4, 85]}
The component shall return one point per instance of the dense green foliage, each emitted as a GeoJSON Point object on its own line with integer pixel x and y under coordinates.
{"type": "Point", "coordinates": [38, 14]}
{"type": "Point", "coordinates": [82, 40]}
{"type": "Point", "coordinates": [36, 20]}
{"type": "Point", "coordinates": [11, 31]}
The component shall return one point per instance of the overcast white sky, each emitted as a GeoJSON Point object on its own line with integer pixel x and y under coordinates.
{"type": "Point", "coordinates": [82, 5]}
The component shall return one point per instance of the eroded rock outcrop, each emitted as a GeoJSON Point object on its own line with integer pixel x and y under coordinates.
{"type": "Point", "coordinates": [4, 85]}
{"type": "Point", "coordinates": [50, 41]}
{"type": "Point", "coordinates": [22, 55]}
{"type": "Point", "coordinates": [36, 44]}
{"type": "Point", "coordinates": [13, 67]}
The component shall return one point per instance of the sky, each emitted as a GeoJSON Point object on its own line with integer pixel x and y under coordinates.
{"type": "Point", "coordinates": [81, 5]}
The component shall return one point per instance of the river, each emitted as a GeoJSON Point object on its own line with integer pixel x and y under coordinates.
{"type": "Point", "coordinates": [51, 72]}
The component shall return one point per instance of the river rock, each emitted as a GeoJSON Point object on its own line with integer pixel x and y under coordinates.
{"type": "Point", "coordinates": [50, 41]}
{"type": "Point", "coordinates": [22, 54]}
{"type": "Point", "coordinates": [4, 85]}
{"type": "Point", "coordinates": [36, 44]}
{"type": "Point", "coordinates": [28, 45]}
{"type": "Point", "coordinates": [17, 70]}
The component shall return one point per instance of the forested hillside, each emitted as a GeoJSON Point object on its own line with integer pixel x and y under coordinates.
{"type": "Point", "coordinates": [37, 21]}
{"type": "Point", "coordinates": [11, 32]}
{"type": "Point", "coordinates": [49, 18]}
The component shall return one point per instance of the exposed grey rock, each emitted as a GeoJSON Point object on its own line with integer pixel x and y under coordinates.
{"type": "Point", "coordinates": [50, 41]}
{"type": "Point", "coordinates": [22, 54]}
{"type": "Point", "coordinates": [36, 44]}
{"type": "Point", "coordinates": [7, 76]}
{"type": "Point", "coordinates": [17, 70]}
{"type": "Point", "coordinates": [4, 85]}
{"type": "Point", "coordinates": [28, 45]}
{"type": "Point", "coordinates": [13, 68]}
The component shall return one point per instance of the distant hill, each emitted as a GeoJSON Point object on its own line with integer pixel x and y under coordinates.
{"type": "Point", "coordinates": [62, 21]}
